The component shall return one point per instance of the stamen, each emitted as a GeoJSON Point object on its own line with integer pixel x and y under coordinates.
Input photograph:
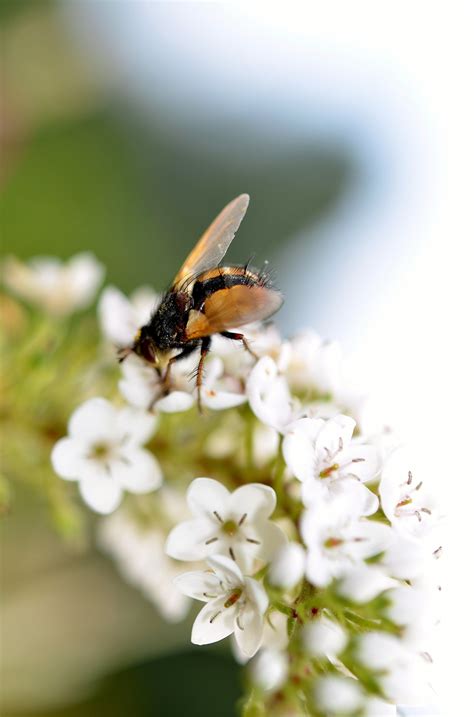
{"type": "Point", "coordinates": [410, 478]}
{"type": "Point", "coordinates": [242, 518]}
{"type": "Point", "coordinates": [438, 551]}
{"type": "Point", "coordinates": [341, 443]}
{"type": "Point", "coordinates": [358, 460]}
{"type": "Point", "coordinates": [231, 553]}
{"type": "Point", "coordinates": [327, 471]}
{"type": "Point", "coordinates": [419, 485]}
{"type": "Point", "coordinates": [418, 515]}
{"type": "Point", "coordinates": [426, 510]}
{"type": "Point", "coordinates": [251, 540]}
{"type": "Point", "coordinates": [217, 516]}
{"type": "Point", "coordinates": [237, 620]}
{"type": "Point", "coordinates": [211, 540]}
{"type": "Point", "coordinates": [214, 616]}
{"type": "Point", "coordinates": [211, 597]}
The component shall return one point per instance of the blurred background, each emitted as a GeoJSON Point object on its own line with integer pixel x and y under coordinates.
{"type": "Point", "coordinates": [125, 127]}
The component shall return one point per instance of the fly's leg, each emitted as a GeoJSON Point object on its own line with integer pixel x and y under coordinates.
{"type": "Point", "coordinates": [205, 346]}
{"type": "Point", "coordinates": [240, 337]}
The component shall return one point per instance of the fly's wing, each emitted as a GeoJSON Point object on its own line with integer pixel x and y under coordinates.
{"type": "Point", "coordinates": [231, 308]}
{"type": "Point", "coordinates": [215, 241]}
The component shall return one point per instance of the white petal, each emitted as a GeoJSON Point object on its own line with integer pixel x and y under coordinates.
{"type": "Point", "coordinates": [94, 421]}
{"type": "Point", "coordinates": [367, 538]}
{"type": "Point", "coordinates": [85, 275]}
{"type": "Point", "coordinates": [256, 594]}
{"type": "Point", "coordinates": [380, 651]}
{"type": "Point", "coordinates": [187, 540]}
{"type": "Point", "coordinates": [214, 622]}
{"type": "Point", "coordinates": [255, 500]}
{"type": "Point", "coordinates": [299, 447]}
{"type": "Point", "coordinates": [406, 558]}
{"type": "Point", "coordinates": [226, 569]}
{"type": "Point", "coordinates": [206, 497]}
{"type": "Point", "coordinates": [338, 695]}
{"type": "Point", "coordinates": [269, 669]}
{"type": "Point", "coordinates": [220, 400]}
{"type": "Point", "coordinates": [268, 394]}
{"type": "Point", "coordinates": [135, 426]}
{"type": "Point", "coordinates": [319, 569]}
{"type": "Point", "coordinates": [250, 633]}
{"type": "Point", "coordinates": [288, 565]}
{"type": "Point", "coordinates": [101, 493]}
{"type": "Point", "coordinates": [140, 473]}
{"type": "Point", "coordinates": [336, 432]}
{"type": "Point", "coordinates": [362, 461]}
{"type": "Point", "coordinates": [117, 317]}
{"type": "Point", "coordinates": [350, 492]}
{"type": "Point", "coordinates": [199, 585]}
{"type": "Point", "coordinates": [67, 458]}
{"type": "Point", "coordinates": [324, 638]}
{"type": "Point", "coordinates": [272, 538]}
{"type": "Point", "coordinates": [363, 583]}
{"type": "Point", "coordinates": [175, 402]}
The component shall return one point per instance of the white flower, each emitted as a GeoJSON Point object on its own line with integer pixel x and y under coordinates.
{"type": "Point", "coordinates": [234, 524]}
{"type": "Point", "coordinates": [235, 604]}
{"type": "Point", "coordinates": [324, 638]}
{"type": "Point", "coordinates": [338, 539]}
{"type": "Point", "coordinates": [401, 673]}
{"type": "Point", "coordinates": [269, 396]}
{"type": "Point", "coordinates": [416, 610]}
{"type": "Point", "coordinates": [407, 558]}
{"type": "Point", "coordinates": [338, 695]}
{"type": "Point", "coordinates": [58, 287]}
{"type": "Point", "coordinates": [323, 455]}
{"type": "Point", "coordinates": [404, 499]}
{"type": "Point", "coordinates": [275, 636]}
{"type": "Point", "coordinates": [120, 318]}
{"type": "Point", "coordinates": [363, 583]}
{"type": "Point", "coordinates": [104, 453]}
{"type": "Point", "coordinates": [140, 556]}
{"type": "Point", "coordinates": [287, 565]}
{"type": "Point", "coordinates": [141, 386]}
{"type": "Point", "coordinates": [269, 669]}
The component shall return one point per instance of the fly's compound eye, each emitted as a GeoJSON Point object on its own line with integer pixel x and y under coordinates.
{"type": "Point", "coordinates": [147, 350]}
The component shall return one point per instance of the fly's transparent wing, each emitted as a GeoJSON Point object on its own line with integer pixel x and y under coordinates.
{"type": "Point", "coordinates": [212, 246]}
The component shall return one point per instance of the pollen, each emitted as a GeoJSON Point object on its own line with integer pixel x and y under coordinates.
{"type": "Point", "coordinates": [327, 471]}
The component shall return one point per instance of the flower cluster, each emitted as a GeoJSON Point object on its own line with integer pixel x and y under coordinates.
{"type": "Point", "coordinates": [309, 535]}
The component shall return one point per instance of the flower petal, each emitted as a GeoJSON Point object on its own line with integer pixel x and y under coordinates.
{"type": "Point", "coordinates": [187, 540]}
{"type": "Point", "coordinates": [226, 569]}
{"type": "Point", "coordinates": [94, 421]}
{"type": "Point", "coordinates": [199, 585]}
{"type": "Point", "coordinates": [299, 447]}
{"type": "Point", "coordinates": [101, 493]}
{"type": "Point", "coordinates": [135, 426]}
{"type": "Point", "coordinates": [175, 402]}
{"type": "Point", "coordinates": [137, 470]}
{"type": "Point", "coordinates": [254, 500]}
{"type": "Point", "coordinates": [206, 497]}
{"type": "Point", "coordinates": [213, 623]}
{"type": "Point", "coordinates": [248, 630]}
{"type": "Point", "coordinates": [68, 457]}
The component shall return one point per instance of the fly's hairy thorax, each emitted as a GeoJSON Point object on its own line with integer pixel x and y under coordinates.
{"type": "Point", "coordinates": [168, 323]}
